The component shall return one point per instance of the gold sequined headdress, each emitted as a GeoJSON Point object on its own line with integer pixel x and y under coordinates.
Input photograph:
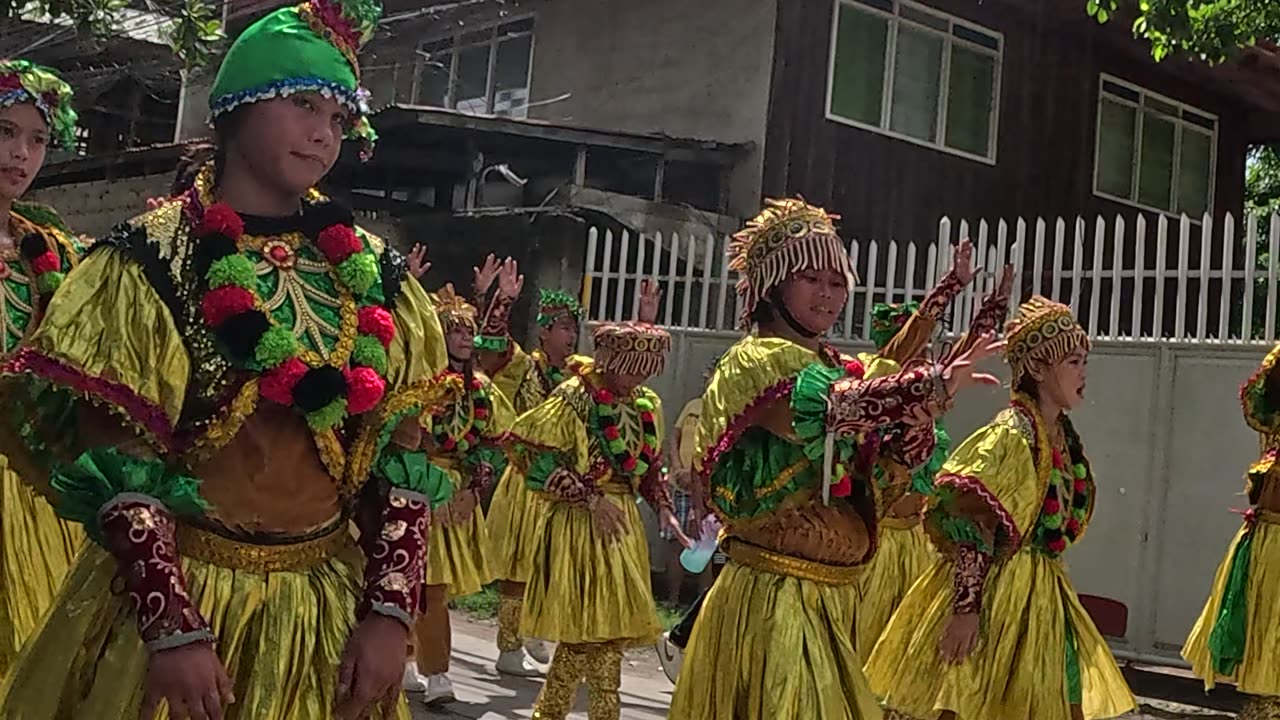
{"type": "Point", "coordinates": [786, 237]}
{"type": "Point", "coordinates": [453, 310]}
{"type": "Point", "coordinates": [631, 348]}
{"type": "Point", "coordinates": [1043, 332]}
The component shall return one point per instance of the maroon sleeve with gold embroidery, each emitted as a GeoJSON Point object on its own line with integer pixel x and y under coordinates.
{"type": "Point", "coordinates": [912, 338]}
{"type": "Point", "coordinates": [497, 318]}
{"type": "Point", "coordinates": [653, 488]}
{"type": "Point", "coordinates": [859, 405]}
{"type": "Point", "coordinates": [970, 575]}
{"type": "Point", "coordinates": [396, 558]}
{"type": "Point", "coordinates": [990, 319]}
{"type": "Point", "coordinates": [141, 535]}
{"type": "Point", "coordinates": [941, 297]}
{"type": "Point", "coordinates": [568, 486]}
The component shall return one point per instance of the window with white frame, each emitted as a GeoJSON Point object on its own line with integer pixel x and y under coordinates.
{"type": "Point", "coordinates": [908, 71]}
{"type": "Point", "coordinates": [482, 70]}
{"type": "Point", "coordinates": [1154, 152]}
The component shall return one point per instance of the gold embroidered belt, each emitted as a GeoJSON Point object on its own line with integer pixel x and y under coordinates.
{"type": "Point", "coordinates": [754, 556]}
{"type": "Point", "coordinates": [222, 551]}
{"type": "Point", "coordinates": [892, 522]}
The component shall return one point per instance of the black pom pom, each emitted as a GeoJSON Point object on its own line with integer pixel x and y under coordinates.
{"type": "Point", "coordinates": [1051, 492]}
{"type": "Point", "coordinates": [321, 215]}
{"type": "Point", "coordinates": [210, 249]}
{"type": "Point", "coordinates": [240, 334]}
{"type": "Point", "coordinates": [319, 387]}
{"type": "Point", "coordinates": [1051, 535]}
{"type": "Point", "coordinates": [1079, 501]}
{"type": "Point", "coordinates": [33, 246]}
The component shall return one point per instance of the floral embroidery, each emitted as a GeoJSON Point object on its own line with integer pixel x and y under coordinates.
{"type": "Point", "coordinates": [397, 558]}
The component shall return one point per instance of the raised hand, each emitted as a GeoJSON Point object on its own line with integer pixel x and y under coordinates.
{"type": "Point", "coordinates": [650, 298]}
{"type": "Point", "coordinates": [962, 265]}
{"type": "Point", "coordinates": [961, 371]}
{"type": "Point", "coordinates": [418, 264]}
{"type": "Point", "coordinates": [486, 274]}
{"type": "Point", "coordinates": [510, 281]}
{"type": "Point", "coordinates": [1006, 280]}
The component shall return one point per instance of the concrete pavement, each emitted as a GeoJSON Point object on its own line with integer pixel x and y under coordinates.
{"type": "Point", "coordinates": [646, 693]}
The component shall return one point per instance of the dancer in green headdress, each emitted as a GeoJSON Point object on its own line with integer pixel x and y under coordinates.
{"type": "Point", "coordinates": [221, 387]}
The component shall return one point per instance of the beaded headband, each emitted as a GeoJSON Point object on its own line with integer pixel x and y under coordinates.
{"type": "Point", "coordinates": [631, 348]}
{"type": "Point", "coordinates": [1043, 332]}
{"type": "Point", "coordinates": [787, 236]}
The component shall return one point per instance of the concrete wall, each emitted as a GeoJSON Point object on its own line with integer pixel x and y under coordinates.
{"type": "Point", "coordinates": [93, 208]}
{"type": "Point", "coordinates": [1163, 431]}
{"type": "Point", "coordinates": [687, 69]}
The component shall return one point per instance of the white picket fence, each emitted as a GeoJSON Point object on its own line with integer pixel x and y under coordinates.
{"type": "Point", "coordinates": [1181, 280]}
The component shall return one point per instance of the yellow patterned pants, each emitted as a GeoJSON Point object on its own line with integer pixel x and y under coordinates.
{"type": "Point", "coordinates": [510, 605]}
{"type": "Point", "coordinates": [600, 664]}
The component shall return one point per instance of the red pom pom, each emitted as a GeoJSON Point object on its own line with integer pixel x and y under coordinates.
{"type": "Point", "coordinates": [1057, 458]}
{"type": "Point", "coordinates": [471, 438]}
{"type": "Point", "coordinates": [853, 368]}
{"type": "Point", "coordinates": [611, 432]}
{"type": "Point", "coordinates": [1052, 506]}
{"type": "Point", "coordinates": [646, 417]}
{"type": "Point", "coordinates": [481, 413]}
{"type": "Point", "coordinates": [364, 389]}
{"type": "Point", "coordinates": [220, 218]}
{"type": "Point", "coordinates": [1059, 545]}
{"type": "Point", "coordinates": [338, 242]}
{"type": "Point", "coordinates": [277, 383]}
{"type": "Point", "coordinates": [10, 82]}
{"type": "Point", "coordinates": [604, 397]}
{"type": "Point", "coordinates": [843, 488]}
{"type": "Point", "coordinates": [218, 305]}
{"type": "Point", "coordinates": [476, 384]}
{"type": "Point", "coordinates": [1073, 527]}
{"type": "Point", "coordinates": [629, 464]}
{"type": "Point", "coordinates": [1081, 486]}
{"type": "Point", "coordinates": [376, 321]}
{"type": "Point", "coordinates": [449, 443]}
{"type": "Point", "coordinates": [48, 262]}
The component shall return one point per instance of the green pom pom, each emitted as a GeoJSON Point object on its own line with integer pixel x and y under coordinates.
{"type": "Point", "coordinates": [463, 445]}
{"type": "Point", "coordinates": [368, 352]}
{"type": "Point", "coordinates": [605, 410]}
{"type": "Point", "coordinates": [359, 272]}
{"type": "Point", "coordinates": [1080, 471]}
{"type": "Point", "coordinates": [275, 346]}
{"type": "Point", "coordinates": [617, 446]}
{"type": "Point", "coordinates": [642, 467]}
{"type": "Point", "coordinates": [480, 424]}
{"type": "Point", "coordinates": [329, 416]}
{"type": "Point", "coordinates": [1053, 522]}
{"type": "Point", "coordinates": [643, 404]}
{"type": "Point", "coordinates": [235, 270]}
{"type": "Point", "coordinates": [50, 281]}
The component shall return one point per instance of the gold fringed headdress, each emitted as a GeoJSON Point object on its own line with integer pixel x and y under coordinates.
{"type": "Point", "coordinates": [631, 348]}
{"type": "Point", "coordinates": [787, 236]}
{"type": "Point", "coordinates": [1042, 332]}
{"type": "Point", "coordinates": [453, 310]}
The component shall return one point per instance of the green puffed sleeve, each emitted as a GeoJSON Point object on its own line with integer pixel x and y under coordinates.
{"type": "Point", "coordinates": [550, 436]}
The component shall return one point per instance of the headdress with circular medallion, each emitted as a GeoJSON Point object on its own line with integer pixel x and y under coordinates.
{"type": "Point", "coordinates": [787, 236]}
{"type": "Point", "coordinates": [631, 348]}
{"type": "Point", "coordinates": [454, 311]}
{"type": "Point", "coordinates": [1043, 332]}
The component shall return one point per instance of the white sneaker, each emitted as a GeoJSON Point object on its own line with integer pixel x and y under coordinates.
{"type": "Point", "coordinates": [671, 658]}
{"type": "Point", "coordinates": [439, 690]}
{"type": "Point", "coordinates": [539, 650]}
{"type": "Point", "coordinates": [412, 681]}
{"type": "Point", "coordinates": [516, 662]}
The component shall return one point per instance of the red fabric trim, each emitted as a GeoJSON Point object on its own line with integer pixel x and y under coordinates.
{"type": "Point", "coordinates": [742, 421]}
{"type": "Point", "coordinates": [142, 412]}
{"type": "Point", "coordinates": [974, 485]}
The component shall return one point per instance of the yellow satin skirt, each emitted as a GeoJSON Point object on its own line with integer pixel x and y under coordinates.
{"type": "Point", "coordinates": [516, 516]}
{"type": "Point", "coordinates": [1259, 671]}
{"type": "Point", "coordinates": [586, 590]}
{"type": "Point", "coordinates": [768, 646]}
{"type": "Point", "coordinates": [280, 637]}
{"type": "Point", "coordinates": [458, 556]}
{"type": "Point", "coordinates": [1019, 667]}
{"type": "Point", "coordinates": [904, 555]}
{"type": "Point", "coordinates": [37, 549]}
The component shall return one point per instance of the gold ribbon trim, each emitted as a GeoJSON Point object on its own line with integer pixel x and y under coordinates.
{"type": "Point", "coordinates": [892, 522]}
{"type": "Point", "coordinates": [758, 558]}
{"type": "Point", "coordinates": [217, 550]}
